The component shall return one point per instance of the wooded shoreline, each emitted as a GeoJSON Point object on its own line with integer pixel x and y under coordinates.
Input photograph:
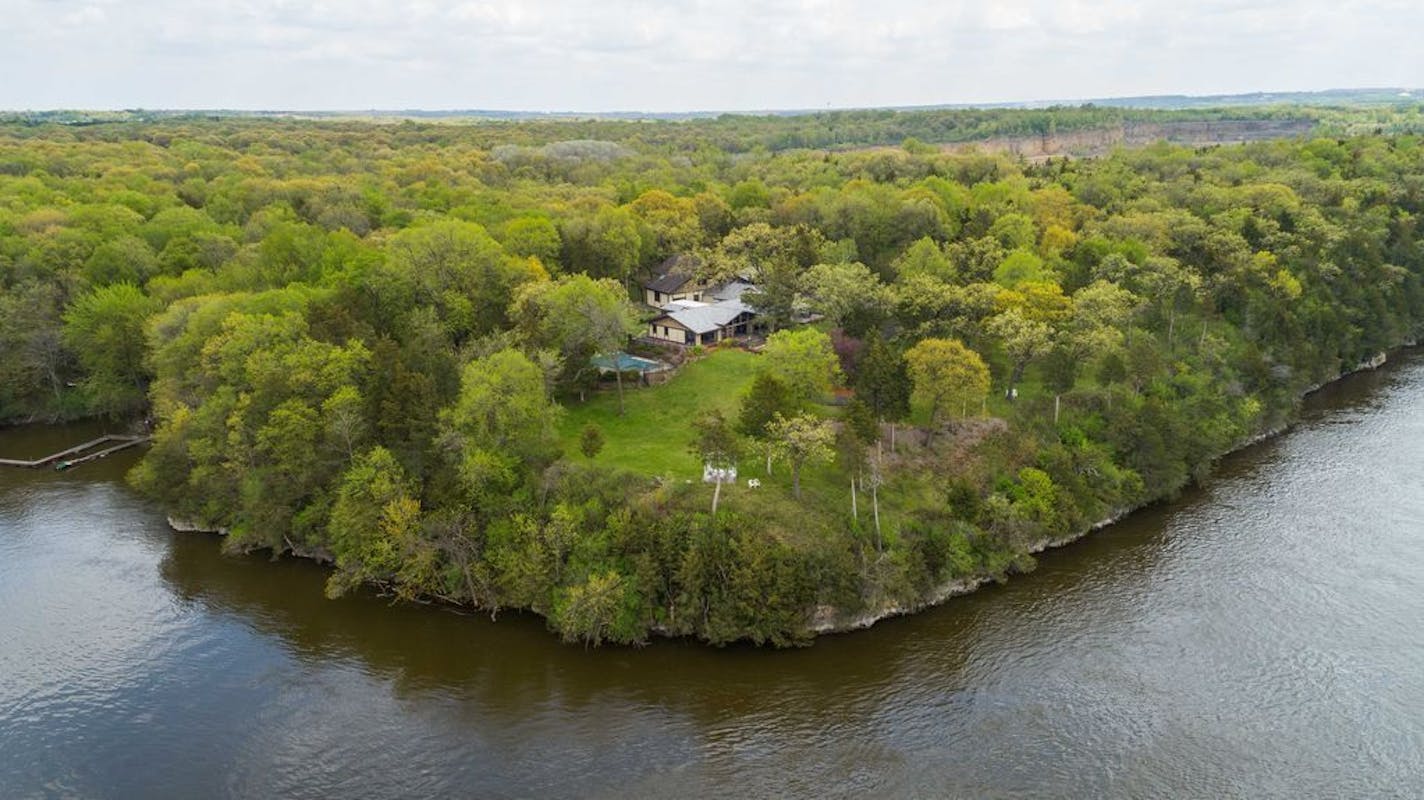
{"type": "Point", "coordinates": [827, 620]}
{"type": "Point", "coordinates": [833, 621]}
{"type": "Point", "coordinates": [373, 344]}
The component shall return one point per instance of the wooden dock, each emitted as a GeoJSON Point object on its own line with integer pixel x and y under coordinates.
{"type": "Point", "coordinates": [80, 453]}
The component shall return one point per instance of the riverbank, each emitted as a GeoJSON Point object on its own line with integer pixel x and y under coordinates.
{"type": "Point", "coordinates": [828, 620]}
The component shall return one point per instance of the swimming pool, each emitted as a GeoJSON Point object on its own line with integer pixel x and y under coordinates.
{"type": "Point", "coordinates": [628, 363]}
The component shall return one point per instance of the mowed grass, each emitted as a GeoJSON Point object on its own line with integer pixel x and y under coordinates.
{"type": "Point", "coordinates": [652, 439]}
{"type": "Point", "coordinates": [653, 436]}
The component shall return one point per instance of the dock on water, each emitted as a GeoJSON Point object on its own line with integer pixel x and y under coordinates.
{"type": "Point", "coordinates": [80, 453]}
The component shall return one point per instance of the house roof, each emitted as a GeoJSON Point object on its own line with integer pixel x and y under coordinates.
{"type": "Point", "coordinates": [733, 289]}
{"type": "Point", "coordinates": [680, 304]}
{"type": "Point", "coordinates": [705, 319]}
{"type": "Point", "coordinates": [674, 273]}
{"type": "Point", "coordinates": [669, 283]}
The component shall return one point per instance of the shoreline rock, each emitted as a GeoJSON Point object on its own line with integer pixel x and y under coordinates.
{"type": "Point", "coordinates": [189, 526]}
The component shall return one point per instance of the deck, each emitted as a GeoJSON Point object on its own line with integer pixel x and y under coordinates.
{"type": "Point", "coordinates": [80, 453]}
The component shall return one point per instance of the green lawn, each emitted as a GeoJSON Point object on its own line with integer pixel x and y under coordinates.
{"type": "Point", "coordinates": [653, 437]}
{"type": "Point", "coordinates": [654, 434]}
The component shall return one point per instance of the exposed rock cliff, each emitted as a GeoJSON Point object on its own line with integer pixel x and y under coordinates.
{"type": "Point", "coordinates": [1135, 134]}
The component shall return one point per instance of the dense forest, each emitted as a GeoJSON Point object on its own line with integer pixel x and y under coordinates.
{"type": "Point", "coordinates": [371, 343]}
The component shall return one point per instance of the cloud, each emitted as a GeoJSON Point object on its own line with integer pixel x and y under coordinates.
{"type": "Point", "coordinates": [685, 54]}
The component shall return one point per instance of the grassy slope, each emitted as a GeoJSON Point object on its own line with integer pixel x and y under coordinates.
{"type": "Point", "coordinates": [652, 439]}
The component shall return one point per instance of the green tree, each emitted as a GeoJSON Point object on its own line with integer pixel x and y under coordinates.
{"type": "Point", "coordinates": [672, 222]}
{"type": "Point", "coordinates": [749, 194]}
{"type": "Point", "coordinates": [774, 258]}
{"type": "Point", "coordinates": [126, 259]}
{"type": "Point", "coordinates": [882, 381]}
{"type": "Point", "coordinates": [1022, 266]}
{"type": "Point", "coordinates": [456, 268]}
{"type": "Point", "coordinates": [374, 522]}
{"type": "Point", "coordinates": [1023, 340]}
{"type": "Point", "coordinates": [590, 441]}
{"type": "Point", "coordinates": [605, 244]}
{"type": "Point", "coordinates": [345, 415]}
{"type": "Point", "coordinates": [767, 397]}
{"type": "Point", "coordinates": [1101, 311]}
{"type": "Point", "coordinates": [860, 421]}
{"type": "Point", "coordinates": [849, 295]}
{"type": "Point", "coordinates": [503, 428]}
{"type": "Point", "coordinates": [600, 609]}
{"type": "Point", "coordinates": [1060, 373]}
{"type": "Point", "coordinates": [1102, 306]}
{"type": "Point", "coordinates": [975, 259]}
{"type": "Point", "coordinates": [750, 249]}
{"type": "Point", "coordinates": [802, 439]}
{"type": "Point", "coordinates": [924, 257]}
{"type": "Point", "coordinates": [1169, 286]}
{"type": "Point", "coordinates": [1112, 370]}
{"type": "Point", "coordinates": [409, 385]}
{"type": "Point", "coordinates": [106, 329]}
{"type": "Point", "coordinates": [36, 363]}
{"type": "Point", "coordinates": [803, 360]}
{"type": "Point", "coordinates": [533, 236]}
{"type": "Point", "coordinates": [858, 430]}
{"type": "Point", "coordinates": [1014, 231]}
{"type": "Point", "coordinates": [576, 317]}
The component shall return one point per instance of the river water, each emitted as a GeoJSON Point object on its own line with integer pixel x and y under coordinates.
{"type": "Point", "coordinates": [1261, 637]}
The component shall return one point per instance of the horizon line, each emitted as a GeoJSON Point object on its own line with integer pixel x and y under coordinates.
{"type": "Point", "coordinates": [1034, 104]}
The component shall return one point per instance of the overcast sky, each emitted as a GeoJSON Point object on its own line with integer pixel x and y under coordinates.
{"type": "Point", "coordinates": [676, 55]}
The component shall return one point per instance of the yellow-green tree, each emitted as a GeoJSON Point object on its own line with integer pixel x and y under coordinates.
{"type": "Point", "coordinates": [946, 374]}
{"type": "Point", "coordinates": [374, 523]}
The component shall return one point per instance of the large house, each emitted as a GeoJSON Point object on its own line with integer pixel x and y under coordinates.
{"type": "Point", "coordinates": [694, 312]}
{"type": "Point", "coordinates": [690, 322]}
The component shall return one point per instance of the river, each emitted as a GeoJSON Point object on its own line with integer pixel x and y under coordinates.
{"type": "Point", "coordinates": [1263, 636]}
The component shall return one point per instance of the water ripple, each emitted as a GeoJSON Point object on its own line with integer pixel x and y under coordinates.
{"type": "Point", "coordinates": [1260, 638]}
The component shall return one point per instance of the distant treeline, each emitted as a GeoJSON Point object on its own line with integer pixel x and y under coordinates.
{"type": "Point", "coordinates": [732, 133]}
